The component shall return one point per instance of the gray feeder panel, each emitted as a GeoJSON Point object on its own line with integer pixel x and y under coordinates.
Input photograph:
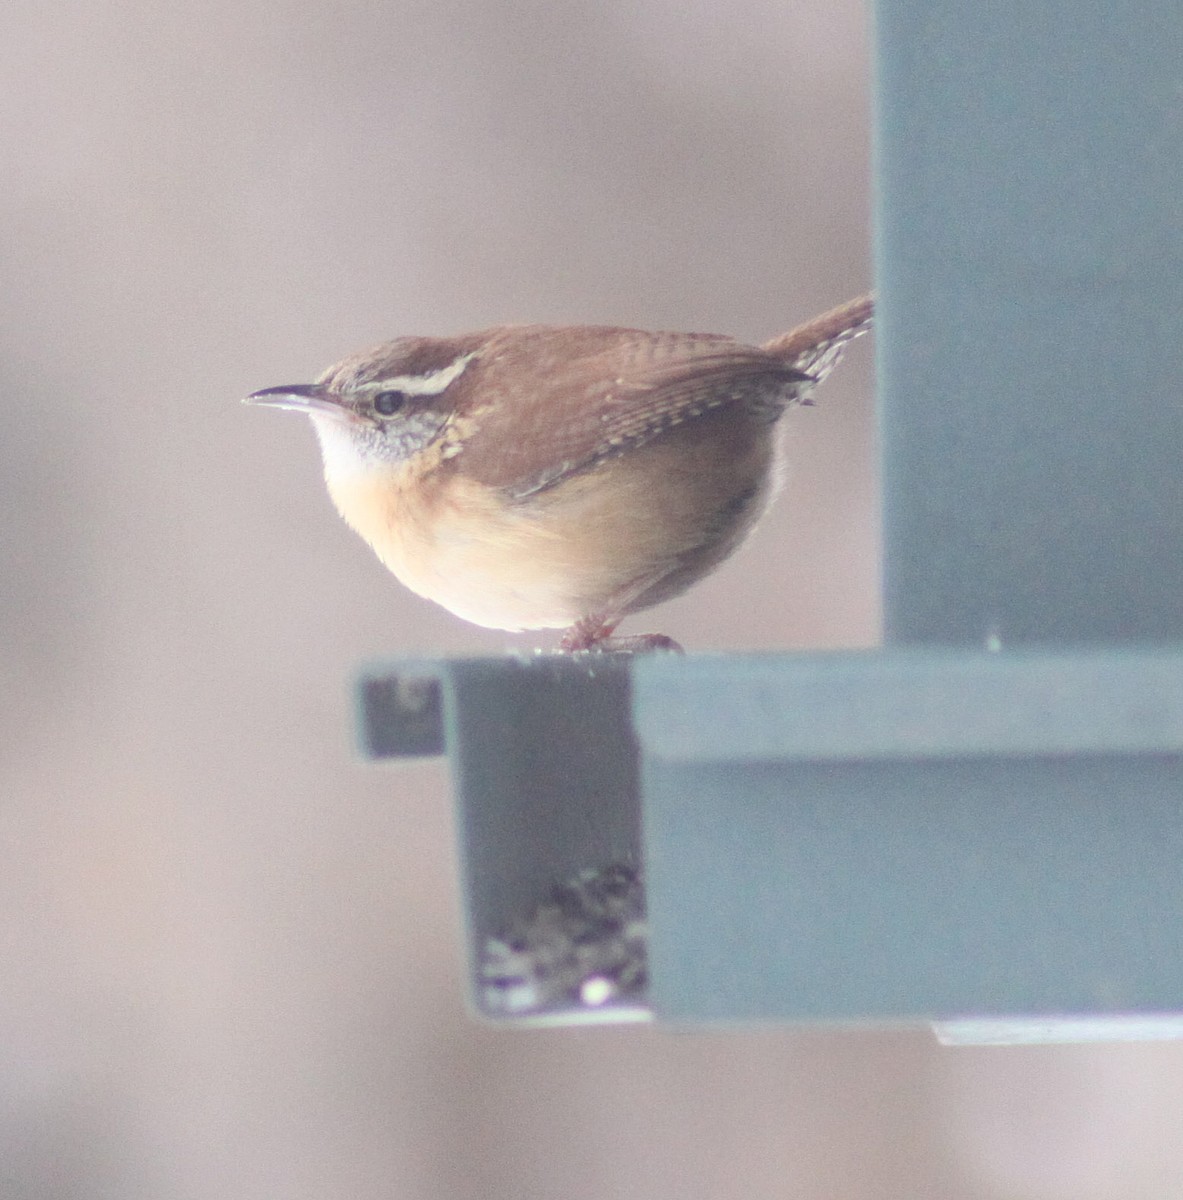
{"type": "Point", "coordinates": [544, 766]}
{"type": "Point", "coordinates": [988, 842]}
{"type": "Point", "coordinates": [915, 835]}
{"type": "Point", "coordinates": [1030, 326]}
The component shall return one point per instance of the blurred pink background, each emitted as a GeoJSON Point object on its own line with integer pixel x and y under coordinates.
{"type": "Point", "coordinates": [230, 949]}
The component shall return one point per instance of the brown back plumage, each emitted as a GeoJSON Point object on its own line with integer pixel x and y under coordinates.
{"type": "Point", "coordinates": [530, 417]}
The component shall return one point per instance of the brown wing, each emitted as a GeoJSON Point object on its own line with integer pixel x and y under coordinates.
{"type": "Point", "coordinates": [547, 403]}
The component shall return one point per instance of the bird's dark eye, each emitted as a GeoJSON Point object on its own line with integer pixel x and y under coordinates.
{"type": "Point", "coordinates": [386, 404]}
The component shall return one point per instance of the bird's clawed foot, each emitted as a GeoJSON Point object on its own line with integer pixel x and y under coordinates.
{"type": "Point", "coordinates": [595, 635]}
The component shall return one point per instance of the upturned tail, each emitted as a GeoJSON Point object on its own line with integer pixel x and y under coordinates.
{"type": "Point", "coordinates": [816, 346]}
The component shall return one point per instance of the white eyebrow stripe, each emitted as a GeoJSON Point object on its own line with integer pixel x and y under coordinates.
{"type": "Point", "coordinates": [430, 384]}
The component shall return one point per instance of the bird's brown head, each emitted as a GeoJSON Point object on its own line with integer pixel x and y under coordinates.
{"type": "Point", "coordinates": [381, 407]}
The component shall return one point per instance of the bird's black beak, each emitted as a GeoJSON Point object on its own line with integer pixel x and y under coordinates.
{"type": "Point", "coordinates": [303, 397]}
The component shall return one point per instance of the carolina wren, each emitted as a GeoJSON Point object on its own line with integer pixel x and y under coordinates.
{"type": "Point", "coordinates": [544, 477]}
